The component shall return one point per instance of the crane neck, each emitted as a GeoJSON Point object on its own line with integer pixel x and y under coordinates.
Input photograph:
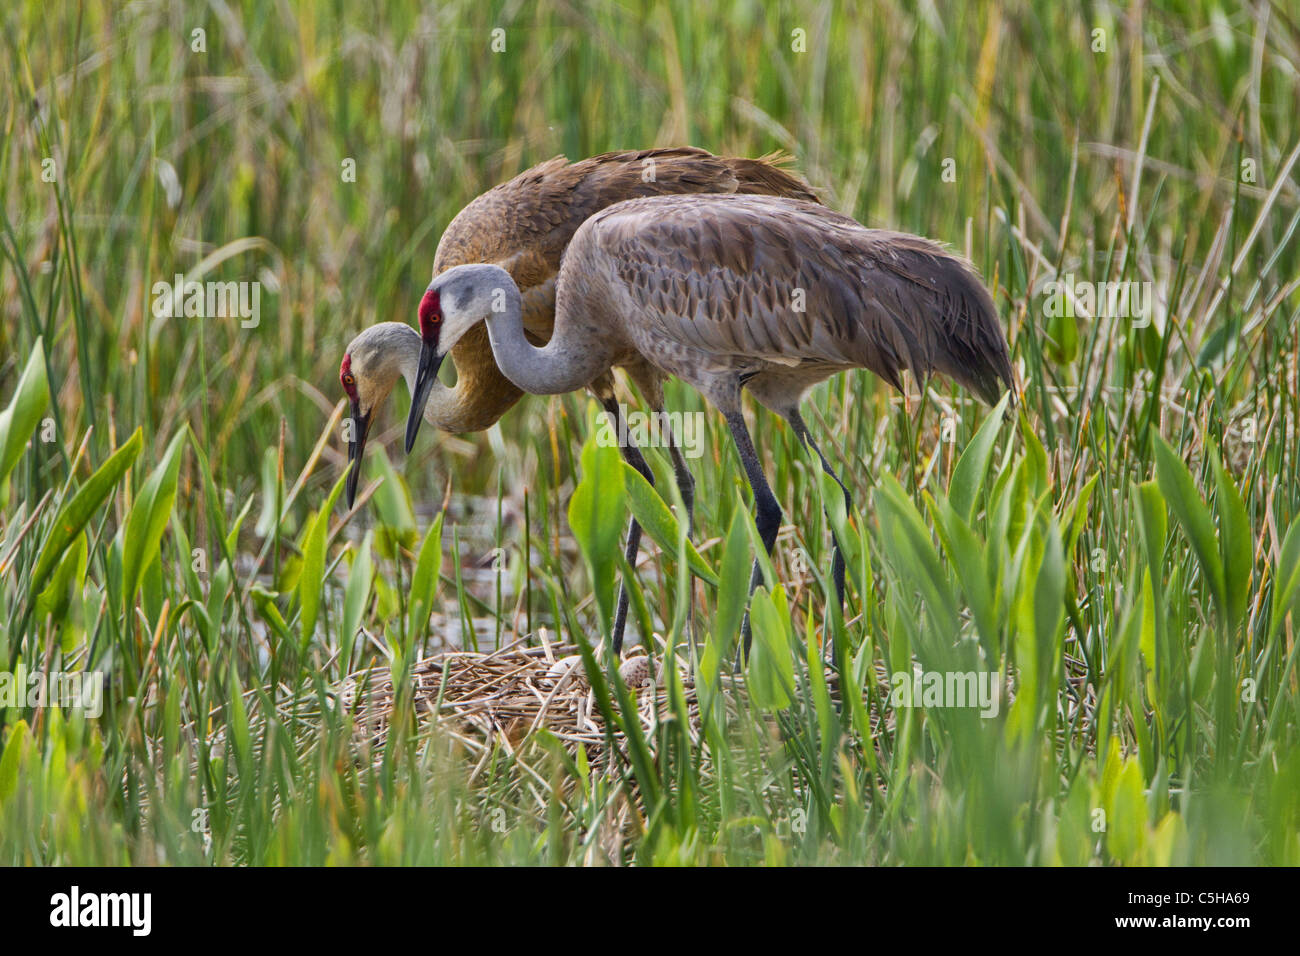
{"type": "Point", "coordinates": [569, 361]}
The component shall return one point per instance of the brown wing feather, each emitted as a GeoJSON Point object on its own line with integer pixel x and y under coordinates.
{"type": "Point", "coordinates": [526, 223]}
{"type": "Point", "coordinates": [727, 275]}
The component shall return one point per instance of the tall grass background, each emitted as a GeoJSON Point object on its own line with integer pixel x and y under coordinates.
{"type": "Point", "coordinates": [1124, 550]}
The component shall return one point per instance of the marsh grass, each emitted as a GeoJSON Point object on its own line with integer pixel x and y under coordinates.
{"type": "Point", "coordinates": [1123, 551]}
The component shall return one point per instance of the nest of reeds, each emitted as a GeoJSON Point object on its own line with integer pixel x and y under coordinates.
{"type": "Point", "coordinates": [502, 698]}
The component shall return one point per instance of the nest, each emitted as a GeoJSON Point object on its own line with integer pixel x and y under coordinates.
{"type": "Point", "coordinates": [500, 699]}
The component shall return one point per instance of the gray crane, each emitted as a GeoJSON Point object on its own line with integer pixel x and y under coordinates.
{"type": "Point", "coordinates": [732, 292]}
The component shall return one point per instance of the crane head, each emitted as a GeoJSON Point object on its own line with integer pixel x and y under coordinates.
{"type": "Point", "coordinates": [455, 302]}
{"type": "Point", "coordinates": [360, 425]}
{"type": "Point", "coordinates": [373, 363]}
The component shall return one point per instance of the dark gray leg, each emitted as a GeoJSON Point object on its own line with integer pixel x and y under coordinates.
{"type": "Point", "coordinates": [767, 512]}
{"type": "Point", "coordinates": [634, 458]}
{"type": "Point", "coordinates": [685, 481]}
{"type": "Point", "coordinates": [837, 564]}
{"type": "Point", "coordinates": [686, 488]}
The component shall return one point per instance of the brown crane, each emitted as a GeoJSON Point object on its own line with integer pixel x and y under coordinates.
{"type": "Point", "coordinates": [524, 226]}
{"type": "Point", "coordinates": [765, 294]}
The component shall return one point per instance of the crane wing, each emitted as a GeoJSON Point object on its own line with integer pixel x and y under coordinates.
{"type": "Point", "coordinates": [789, 282]}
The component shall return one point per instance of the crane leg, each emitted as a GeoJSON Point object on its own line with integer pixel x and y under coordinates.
{"type": "Point", "coordinates": [767, 511]}
{"type": "Point", "coordinates": [686, 488]}
{"type": "Point", "coordinates": [685, 480]}
{"type": "Point", "coordinates": [634, 458]}
{"type": "Point", "coordinates": [837, 563]}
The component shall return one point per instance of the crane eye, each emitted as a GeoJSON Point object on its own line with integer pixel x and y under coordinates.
{"type": "Point", "coordinates": [430, 312]}
{"type": "Point", "coordinates": [348, 380]}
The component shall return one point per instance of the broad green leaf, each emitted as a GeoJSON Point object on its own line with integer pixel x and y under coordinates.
{"type": "Point", "coordinates": [771, 666]}
{"type": "Point", "coordinates": [970, 561]}
{"type": "Point", "coordinates": [355, 598]}
{"type": "Point", "coordinates": [1167, 842]}
{"type": "Point", "coordinates": [311, 582]}
{"type": "Point", "coordinates": [767, 573]}
{"type": "Point", "coordinates": [1035, 458]}
{"type": "Point", "coordinates": [1201, 670]}
{"type": "Point", "coordinates": [12, 758]}
{"type": "Point", "coordinates": [712, 702]}
{"type": "Point", "coordinates": [913, 555]}
{"type": "Point", "coordinates": [973, 465]}
{"type": "Point", "coordinates": [827, 722]}
{"type": "Point", "coordinates": [1286, 578]}
{"type": "Point", "coordinates": [1152, 522]}
{"type": "Point", "coordinates": [392, 500]}
{"type": "Point", "coordinates": [1235, 542]}
{"type": "Point", "coordinates": [239, 727]}
{"type": "Point", "coordinates": [269, 611]}
{"type": "Point", "coordinates": [65, 583]}
{"type": "Point", "coordinates": [733, 586]}
{"type": "Point", "coordinates": [232, 539]}
{"type": "Point", "coordinates": [659, 522]}
{"type": "Point", "coordinates": [596, 517]}
{"type": "Point", "coordinates": [831, 498]}
{"type": "Point", "coordinates": [854, 697]}
{"type": "Point", "coordinates": [72, 517]}
{"type": "Point", "coordinates": [1074, 836]}
{"type": "Point", "coordinates": [1147, 631]}
{"type": "Point", "coordinates": [189, 572]}
{"type": "Point", "coordinates": [424, 582]}
{"type": "Point", "coordinates": [1023, 717]}
{"type": "Point", "coordinates": [19, 421]}
{"type": "Point", "coordinates": [1111, 766]}
{"type": "Point", "coordinates": [273, 493]}
{"type": "Point", "coordinates": [1049, 590]}
{"type": "Point", "coordinates": [1180, 493]}
{"type": "Point", "coordinates": [1077, 513]}
{"type": "Point", "coordinates": [149, 515]}
{"type": "Point", "coordinates": [1127, 824]}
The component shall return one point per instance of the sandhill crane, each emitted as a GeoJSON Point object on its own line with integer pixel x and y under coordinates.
{"type": "Point", "coordinates": [524, 226]}
{"type": "Point", "coordinates": [766, 294]}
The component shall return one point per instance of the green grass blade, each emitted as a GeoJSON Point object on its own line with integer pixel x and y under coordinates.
{"type": "Point", "coordinates": [596, 516]}
{"type": "Point", "coordinates": [1180, 493]}
{"type": "Point", "coordinates": [22, 416]}
{"type": "Point", "coordinates": [973, 465]}
{"type": "Point", "coordinates": [148, 518]}
{"type": "Point", "coordinates": [72, 517]}
{"type": "Point", "coordinates": [424, 581]}
{"type": "Point", "coordinates": [311, 582]}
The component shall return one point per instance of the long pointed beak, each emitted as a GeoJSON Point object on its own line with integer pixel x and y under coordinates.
{"type": "Point", "coordinates": [356, 447]}
{"type": "Point", "coordinates": [425, 376]}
